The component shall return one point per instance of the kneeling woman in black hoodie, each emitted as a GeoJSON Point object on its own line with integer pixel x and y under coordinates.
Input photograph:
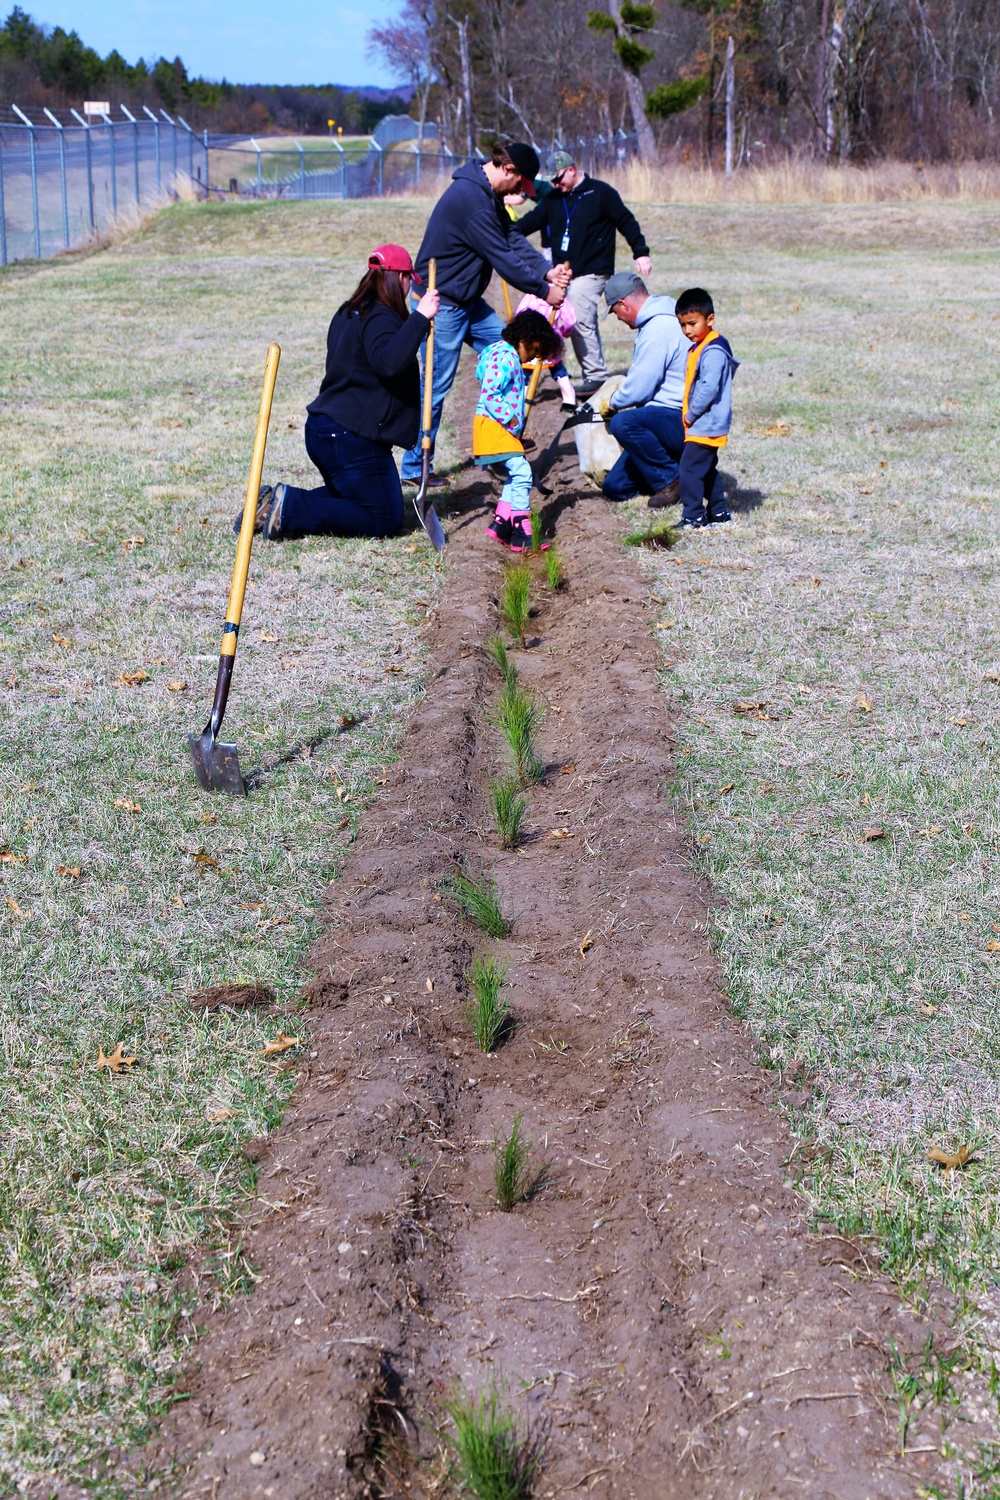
{"type": "Point", "coordinates": [369, 401]}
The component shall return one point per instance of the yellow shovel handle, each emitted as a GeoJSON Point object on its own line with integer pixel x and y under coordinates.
{"type": "Point", "coordinates": [241, 567]}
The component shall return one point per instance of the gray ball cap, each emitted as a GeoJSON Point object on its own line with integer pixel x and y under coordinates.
{"type": "Point", "coordinates": [622, 284]}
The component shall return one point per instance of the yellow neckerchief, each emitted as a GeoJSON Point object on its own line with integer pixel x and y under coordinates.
{"type": "Point", "coordinates": [692, 365]}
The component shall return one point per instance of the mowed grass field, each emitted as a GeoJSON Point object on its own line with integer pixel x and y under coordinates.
{"type": "Point", "coordinates": [861, 567]}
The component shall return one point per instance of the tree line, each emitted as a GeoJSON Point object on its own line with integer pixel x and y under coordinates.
{"type": "Point", "coordinates": [842, 80]}
{"type": "Point", "coordinates": [47, 66]}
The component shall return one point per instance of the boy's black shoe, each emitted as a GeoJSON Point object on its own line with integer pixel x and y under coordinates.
{"type": "Point", "coordinates": [720, 518]}
{"type": "Point", "coordinates": [669, 495]}
{"type": "Point", "coordinates": [686, 525]}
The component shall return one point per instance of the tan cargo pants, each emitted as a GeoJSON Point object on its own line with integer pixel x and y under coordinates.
{"type": "Point", "coordinates": [585, 294]}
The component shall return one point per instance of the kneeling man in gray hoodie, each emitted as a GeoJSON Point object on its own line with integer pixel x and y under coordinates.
{"type": "Point", "coordinates": [644, 413]}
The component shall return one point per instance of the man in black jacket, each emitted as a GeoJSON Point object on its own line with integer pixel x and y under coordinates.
{"type": "Point", "coordinates": [469, 234]}
{"type": "Point", "coordinates": [582, 217]}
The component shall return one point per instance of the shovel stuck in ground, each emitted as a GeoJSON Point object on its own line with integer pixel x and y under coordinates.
{"type": "Point", "coordinates": [426, 514]}
{"type": "Point", "coordinates": [217, 765]}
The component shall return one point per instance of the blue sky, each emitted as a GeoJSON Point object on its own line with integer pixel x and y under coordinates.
{"type": "Point", "coordinates": [246, 41]}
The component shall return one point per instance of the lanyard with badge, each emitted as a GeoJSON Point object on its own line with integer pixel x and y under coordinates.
{"type": "Point", "coordinates": [564, 242]}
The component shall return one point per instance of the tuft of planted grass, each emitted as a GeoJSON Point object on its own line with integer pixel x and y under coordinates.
{"type": "Point", "coordinates": [488, 1012]}
{"type": "Point", "coordinates": [661, 534]}
{"type": "Point", "coordinates": [518, 717]}
{"type": "Point", "coordinates": [492, 1461]}
{"type": "Point", "coordinates": [508, 807]}
{"type": "Point", "coordinates": [514, 1179]}
{"type": "Point", "coordinates": [479, 898]}
{"type": "Point", "coordinates": [514, 594]}
{"type": "Point", "coordinates": [536, 531]}
{"type": "Point", "coordinates": [554, 572]}
{"type": "Point", "coordinates": [496, 649]}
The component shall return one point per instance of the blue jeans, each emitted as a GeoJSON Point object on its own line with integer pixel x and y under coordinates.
{"type": "Point", "coordinates": [361, 494]}
{"type": "Point", "coordinates": [476, 325]}
{"type": "Point", "coordinates": [653, 440]}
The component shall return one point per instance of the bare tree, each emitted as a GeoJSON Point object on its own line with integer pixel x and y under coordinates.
{"type": "Point", "coordinates": [405, 45]}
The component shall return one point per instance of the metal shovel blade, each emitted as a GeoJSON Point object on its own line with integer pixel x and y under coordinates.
{"type": "Point", "coordinates": [426, 514]}
{"type": "Point", "coordinates": [216, 765]}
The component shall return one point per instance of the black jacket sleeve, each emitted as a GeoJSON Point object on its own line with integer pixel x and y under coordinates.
{"type": "Point", "coordinates": [389, 345]}
{"type": "Point", "coordinates": [625, 221]}
{"type": "Point", "coordinates": [536, 218]}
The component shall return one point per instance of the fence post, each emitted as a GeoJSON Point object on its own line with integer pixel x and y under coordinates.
{"type": "Point", "coordinates": [114, 167]}
{"type": "Point", "coordinates": [90, 174]}
{"type": "Point", "coordinates": [343, 172]}
{"type": "Point", "coordinates": [34, 179]}
{"type": "Point", "coordinates": [156, 143]}
{"type": "Point", "coordinates": [190, 132]}
{"type": "Point", "coordinates": [260, 175]}
{"type": "Point", "coordinates": [378, 148]}
{"type": "Point", "coordinates": [302, 170]}
{"type": "Point", "coordinates": [62, 176]}
{"type": "Point", "coordinates": [173, 132]}
{"type": "Point", "coordinates": [3, 217]}
{"type": "Point", "coordinates": [135, 149]}
{"type": "Point", "coordinates": [205, 137]}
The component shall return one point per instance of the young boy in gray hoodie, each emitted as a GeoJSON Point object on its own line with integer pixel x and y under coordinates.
{"type": "Point", "coordinates": [707, 411]}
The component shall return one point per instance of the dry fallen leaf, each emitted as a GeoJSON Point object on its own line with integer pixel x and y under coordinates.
{"type": "Point", "coordinates": [129, 543]}
{"type": "Point", "coordinates": [568, 768]}
{"type": "Point", "coordinates": [586, 943]}
{"type": "Point", "coordinates": [870, 834]}
{"type": "Point", "coordinates": [8, 857]}
{"type": "Point", "coordinates": [207, 817]}
{"type": "Point", "coordinates": [17, 910]}
{"type": "Point", "coordinates": [266, 635]}
{"type": "Point", "coordinates": [205, 861]}
{"type": "Point", "coordinates": [346, 721]}
{"type": "Point", "coordinates": [560, 833]}
{"type": "Point", "coordinates": [71, 872]}
{"type": "Point", "coordinates": [115, 1062]}
{"type": "Point", "coordinates": [749, 708]}
{"type": "Point", "coordinates": [947, 1161]}
{"type": "Point", "coordinates": [134, 679]}
{"type": "Point", "coordinates": [62, 640]}
{"type": "Point", "coordinates": [727, 788]}
{"type": "Point", "coordinates": [864, 703]}
{"type": "Point", "coordinates": [218, 1115]}
{"type": "Point", "coordinates": [666, 625]}
{"type": "Point", "coordinates": [992, 677]}
{"type": "Point", "coordinates": [927, 1010]}
{"type": "Point", "coordinates": [993, 946]}
{"type": "Point", "coordinates": [777, 430]}
{"type": "Point", "coordinates": [176, 685]}
{"type": "Point", "coordinates": [128, 804]}
{"type": "Point", "coordinates": [931, 828]}
{"type": "Point", "coordinates": [280, 1043]}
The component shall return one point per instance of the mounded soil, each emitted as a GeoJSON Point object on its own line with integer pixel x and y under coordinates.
{"type": "Point", "coordinates": [659, 1312]}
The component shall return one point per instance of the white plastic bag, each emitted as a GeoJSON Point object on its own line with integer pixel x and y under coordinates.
{"type": "Point", "coordinates": [596, 449]}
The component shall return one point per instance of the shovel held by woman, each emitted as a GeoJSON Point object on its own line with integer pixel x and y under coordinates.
{"type": "Point", "coordinates": [426, 514]}
{"type": "Point", "coordinates": [217, 765]}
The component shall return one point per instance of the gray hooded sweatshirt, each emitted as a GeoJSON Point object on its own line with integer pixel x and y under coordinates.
{"type": "Point", "coordinates": [659, 360]}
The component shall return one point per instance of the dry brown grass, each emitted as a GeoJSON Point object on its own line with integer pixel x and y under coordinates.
{"type": "Point", "coordinates": [803, 181]}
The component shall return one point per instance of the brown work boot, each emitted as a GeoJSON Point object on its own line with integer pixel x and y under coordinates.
{"type": "Point", "coordinates": [669, 495]}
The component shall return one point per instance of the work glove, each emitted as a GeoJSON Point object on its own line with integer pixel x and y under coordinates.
{"type": "Point", "coordinates": [604, 407]}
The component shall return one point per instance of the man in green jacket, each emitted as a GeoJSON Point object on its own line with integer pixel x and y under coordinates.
{"type": "Point", "coordinates": [582, 216]}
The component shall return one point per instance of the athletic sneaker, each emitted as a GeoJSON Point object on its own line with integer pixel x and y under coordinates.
{"type": "Point", "coordinates": [686, 525]}
{"type": "Point", "coordinates": [271, 528]}
{"type": "Point", "coordinates": [568, 408]}
{"type": "Point", "coordinates": [263, 501]}
{"type": "Point", "coordinates": [520, 540]}
{"type": "Point", "coordinates": [720, 518]}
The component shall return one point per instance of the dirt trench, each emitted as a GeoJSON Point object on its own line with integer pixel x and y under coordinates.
{"type": "Point", "coordinates": [659, 1313]}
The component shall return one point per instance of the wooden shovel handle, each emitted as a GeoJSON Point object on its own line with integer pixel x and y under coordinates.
{"type": "Point", "coordinates": [241, 567]}
{"type": "Point", "coordinates": [425, 435]}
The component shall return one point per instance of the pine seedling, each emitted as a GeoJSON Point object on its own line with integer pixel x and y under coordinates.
{"type": "Point", "coordinates": [518, 717]}
{"type": "Point", "coordinates": [508, 807]}
{"type": "Point", "coordinates": [514, 1180]}
{"type": "Point", "coordinates": [491, 1461]}
{"type": "Point", "coordinates": [488, 1012]}
{"type": "Point", "coordinates": [497, 650]}
{"type": "Point", "coordinates": [536, 531]}
{"type": "Point", "coordinates": [514, 594]}
{"type": "Point", "coordinates": [479, 898]}
{"type": "Point", "coordinates": [554, 569]}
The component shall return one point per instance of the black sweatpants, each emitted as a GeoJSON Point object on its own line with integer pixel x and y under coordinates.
{"type": "Point", "coordinates": [701, 484]}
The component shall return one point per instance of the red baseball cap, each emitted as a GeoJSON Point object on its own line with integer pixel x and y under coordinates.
{"type": "Point", "coordinates": [394, 258]}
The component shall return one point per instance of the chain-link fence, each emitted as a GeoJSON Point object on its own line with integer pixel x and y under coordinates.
{"type": "Point", "coordinates": [62, 185]}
